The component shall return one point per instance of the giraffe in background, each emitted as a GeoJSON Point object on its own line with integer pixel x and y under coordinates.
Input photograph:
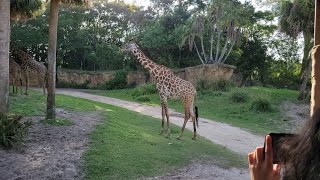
{"type": "Point", "coordinates": [28, 64]}
{"type": "Point", "coordinates": [168, 86]}
{"type": "Point", "coordinates": [15, 73]}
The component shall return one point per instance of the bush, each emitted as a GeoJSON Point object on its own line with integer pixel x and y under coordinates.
{"type": "Point", "coordinates": [143, 98]}
{"type": "Point", "coordinates": [144, 89]}
{"type": "Point", "coordinates": [12, 131]}
{"type": "Point", "coordinates": [214, 85]}
{"type": "Point", "coordinates": [262, 105]}
{"type": "Point", "coordinates": [65, 84]}
{"type": "Point", "coordinates": [239, 96]}
{"type": "Point", "coordinates": [118, 82]}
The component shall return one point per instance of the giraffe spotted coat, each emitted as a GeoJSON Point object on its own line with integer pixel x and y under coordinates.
{"type": "Point", "coordinates": [169, 86]}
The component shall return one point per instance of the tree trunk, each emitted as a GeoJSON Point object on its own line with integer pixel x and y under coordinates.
{"type": "Point", "coordinates": [223, 50]}
{"type": "Point", "coordinates": [195, 45]}
{"type": "Point", "coordinates": [218, 45]}
{"type": "Point", "coordinates": [53, 25]}
{"type": "Point", "coordinates": [315, 74]}
{"type": "Point", "coordinates": [306, 49]}
{"type": "Point", "coordinates": [302, 94]}
{"type": "Point", "coordinates": [4, 55]}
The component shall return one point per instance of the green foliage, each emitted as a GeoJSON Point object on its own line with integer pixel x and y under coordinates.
{"type": "Point", "coordinates": [57, 122]}
{"type": "Point", "coordinates": [239, 96]}
{"type": "Point", "coordinates": [12, 130]}
{"type": "Point", "coordinates": [64, 84]}
{"type": "Point", "coordinates": [253, 64]}
{"type": "Point", "coordinates": [144, 89]}
{"type": "Point", "coordinates": [118, 82]}
{"type": "Point", "coordinates": [261, 105]}
{"type": "Point", "coordinates": [214, 85]}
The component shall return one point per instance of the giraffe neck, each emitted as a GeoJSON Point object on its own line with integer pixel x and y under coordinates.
{"type": "Point", "coordinates": [145, 61]}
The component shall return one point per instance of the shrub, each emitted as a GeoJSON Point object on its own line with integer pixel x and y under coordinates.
{"type": "Point", "coordinates": [262, 105]}
{"type": "Point", "coordinates": [12, 131]}
{"type": "Point", "coordinates": [65, 84]}
{"type": "Point", "coordinates": [239, 96]}
{"type": "Point", "coordinates": [118, 82]}
{"type": "Point", "coordinates": [214, 85]}
{"type": "Point", "coordinates": [143, 98]}
{"type": "Point", "coordinates": [144, 89]}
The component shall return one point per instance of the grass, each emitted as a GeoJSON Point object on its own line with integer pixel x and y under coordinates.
{"type": "Point", "coordinates": [219, 106]}
{"type": "Point", "coordinates": [126, 145]}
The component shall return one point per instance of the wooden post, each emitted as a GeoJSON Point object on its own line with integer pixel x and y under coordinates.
{"type": "Point", "coordinates": [315, 74]}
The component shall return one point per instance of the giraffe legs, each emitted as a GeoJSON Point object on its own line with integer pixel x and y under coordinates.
{"type": "Point", "coordinates": [162, 123]}
{"type": "Point", "coordinates": [165, 113]}
{"type": "Point", "coordinates": [186, 118]}
{"type": "Point", "coordinates": [189, 112]}
{"type": "Point", "coordinates": [26, 76]}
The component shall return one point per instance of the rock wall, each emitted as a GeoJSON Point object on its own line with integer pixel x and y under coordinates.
{"type": "Point", "coordinates": [191, 74]}
{"type": "Point", "coordinates": [93, 79]}
{"type": "Point", "coordinates": [208, 71]}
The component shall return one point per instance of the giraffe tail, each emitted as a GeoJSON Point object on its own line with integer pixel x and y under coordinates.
{"type": "Point", "coordinates": [197, 116]}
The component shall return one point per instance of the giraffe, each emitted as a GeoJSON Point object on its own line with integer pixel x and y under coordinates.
{"type": "Point", "coordinates": [28, 64]}
{"type": "Point", "coordinates": [15, 73]}
{"type": "Point", "coordinates": [168, 86]}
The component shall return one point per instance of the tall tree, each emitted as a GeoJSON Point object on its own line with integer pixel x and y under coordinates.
{"type": "Point", "coordinates": [52, 49]}
{"type": "Point", "coordinates": [218, 30]}
{"type": "Point", "coordinates": [297, 17]}
{"type": "Point", "coordinates": [4, 55]}
{"type": "Point", "coordinates": [14, 10]}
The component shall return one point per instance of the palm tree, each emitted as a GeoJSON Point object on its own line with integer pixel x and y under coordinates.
{"type": "Point", "coordinates": [53, 25]}
{"type": "Point", "coordinates": [4, 55]}
{"type": "Point", "coordinates": [297, 17]}
{"type": "Point", "coordinates": [14, 10]}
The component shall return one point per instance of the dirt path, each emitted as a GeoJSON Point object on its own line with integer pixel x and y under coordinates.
{"type": "Point", "coordinates": [233, 138]}
{"type": "Point", "coordinates": [50, 152]}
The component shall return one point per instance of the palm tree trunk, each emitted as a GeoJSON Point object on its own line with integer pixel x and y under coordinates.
{"type": "Point", "coordinates": [306, 76]}
{"type": "Point", "coordinates": [4, 55]}
{"type": "Point", "coordinates": [218, 45]}
{"type": "Point", "coordinates": [229, 51]}
{"type": "Point", "coordinates": [211, 45]}
{"type": "Point", "coordinates": [195, 45]}
{"type": "Point", "coordinates": [203, 51]}
{"type": "Point", "coordinates": [53, 25]}
{"type": "Point", "coordinates": [223, 50]}
{"type": "Point", "coordinates": [315, 73]}
{"type": "Point", "coordinates": [307, 47]}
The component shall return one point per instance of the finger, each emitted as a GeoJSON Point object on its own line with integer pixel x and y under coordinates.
{"type": "Point", "coordinates": [276, 168]}
{"type": "Point", "coordinates": [259, 154]}
{"type": "Point", "coordinates": [268, 149]}
{"type": "Point", "coordinates": [251, 158]}
{"type": "Point", "coordinates": [276, 171]}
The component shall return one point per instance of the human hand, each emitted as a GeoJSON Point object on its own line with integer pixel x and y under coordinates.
{"type": "Point", "coordinates": [263, 169]}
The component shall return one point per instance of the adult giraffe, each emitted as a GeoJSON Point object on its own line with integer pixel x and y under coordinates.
{"type": "Point", "coordinates": [168, 86]}
{"type": "Point", "coordinates": [28, 64]}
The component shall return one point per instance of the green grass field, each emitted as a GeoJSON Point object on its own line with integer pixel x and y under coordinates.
{"type": "Point", "coordinates": [218, 106]}
{"type": "Point", "coordinates": [126, 145]}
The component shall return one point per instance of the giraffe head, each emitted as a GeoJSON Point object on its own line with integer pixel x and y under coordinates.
{"type": "Point", "coordinates": [130, 46]}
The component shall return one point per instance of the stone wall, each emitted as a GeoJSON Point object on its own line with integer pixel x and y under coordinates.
{"type": "Point", "coordinates": [95, 78]}
{"type": "Point", "coordinates": [208, 71]}
{"type": "Point", "coordinates": [191, 74]}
